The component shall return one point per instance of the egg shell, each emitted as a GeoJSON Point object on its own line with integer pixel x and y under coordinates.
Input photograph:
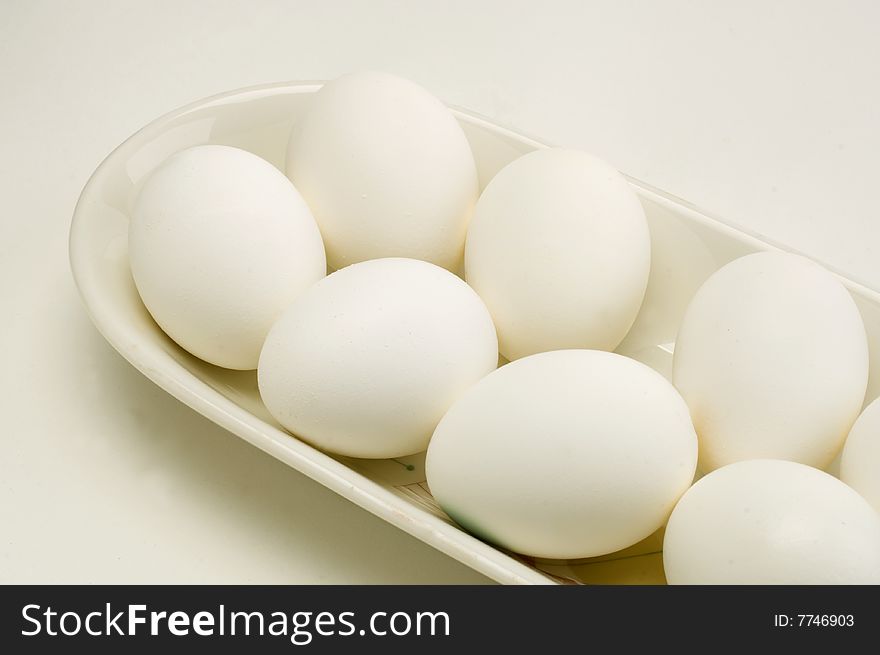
{"type": "Point", "coordinates": [367, 361]}
{"type": "Point", "coordinates": [772, 359]}
{"type": "Point", "coordinates": [565, 454]}
{"type": "Point", "coordinates": [220, 242]}
{"type": "Point", "coordinates": [860, 462]}
{"type": "Point", "coordinates": [386, 169]}
{"type": "Point", "coordinates": [772, 522]}
{"type": "Point", "coordinates": [560, 251]}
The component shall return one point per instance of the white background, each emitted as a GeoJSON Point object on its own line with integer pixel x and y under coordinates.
{"type": "Point", "coordinates": [766, 113]}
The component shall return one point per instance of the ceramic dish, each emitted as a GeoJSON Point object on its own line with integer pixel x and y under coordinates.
{"type": "Point", "coordinates": [687, 247]}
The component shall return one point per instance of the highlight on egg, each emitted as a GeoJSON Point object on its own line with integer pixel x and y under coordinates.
{"type": "Point", "coordinates": [560, 251]}
{"type": "Point", "coordinates": [386, 170]}
{"type": "Point", "coordinates": [220, 242]}
{"type": "Point", "coordinates": [564, 454]}
{"type": "Point", "coordinates": [772, 359]}
{"type": "Point", "coordinates": [772, 522]}
{"type": "Point", "coordinates": [366, 362]}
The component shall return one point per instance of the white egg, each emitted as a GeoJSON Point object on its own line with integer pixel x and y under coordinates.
{"type": "Point", "coordinates": [565, 454]}
{"type": "Point", "coordinates": [220, 243]}
{"type": "Point", "coordinates": [772, 359]}
{"type": "Point", "coordinates": [367, 361]}
{"type": "Point", "coordinates": [772, 522]}
{"type": "Point", "coordinates": [386, 169]}
{"type": "Point", "coordinates": [559, 249]}
{"type": "Point", "coordinates": [860, 462]}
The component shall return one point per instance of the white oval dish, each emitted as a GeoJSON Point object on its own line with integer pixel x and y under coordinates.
{"type": "Point", "coordinates": [687, 246]}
